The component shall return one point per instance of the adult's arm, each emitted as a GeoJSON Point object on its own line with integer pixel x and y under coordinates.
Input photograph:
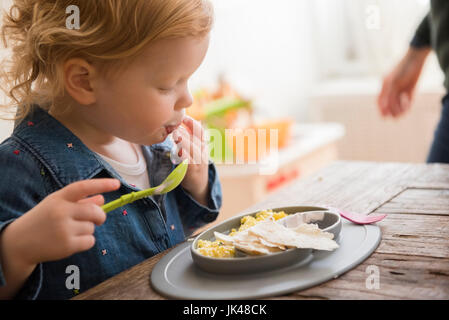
{"type": "Point", "coordinates": [422, 36]}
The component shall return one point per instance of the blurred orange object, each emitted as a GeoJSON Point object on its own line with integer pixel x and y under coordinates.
{"type": "Point", "coordinates": [196, 111]}
{"type": "Point", "coordinates": [245, 142]}
{"type": "Point", "coordinates": [203, 98]}
{"type": "Point", "coordinates": [282, 125]}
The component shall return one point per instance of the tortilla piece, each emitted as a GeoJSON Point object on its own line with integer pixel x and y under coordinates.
{"type": "Point", "coordinates": [304, 236]}
{"type": "Point", "coordinates": [247, 243]}
{"type": "Point", "coordinates": [251, 244]}
{"type": "Point", "coordinates": [274, 233]}
{"type": "Point", "coordinates": [255, 248]}
{"type": "Point", "coordinates": [226, 239]}
{"type": "Point", "coordinates": [268, 236]}
{"type": "Point", "coordinates": [271, 245]}
{"type": "Point", "coordinates": [242, 236]}
{"type": "Point", "coordinates": [313, 230]}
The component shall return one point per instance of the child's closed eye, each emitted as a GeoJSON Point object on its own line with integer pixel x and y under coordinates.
{"type": "Point", "coordinates": [165, 89]}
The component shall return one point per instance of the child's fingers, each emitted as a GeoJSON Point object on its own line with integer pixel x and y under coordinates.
{"type": "Point", "coordinates": [194, 153]}
{"type": "Point", "coordinates": [81, 189]}
{"type": "Point", "coordinates": [83, 228]}
{"type": "Point", "coordinates": [98, 200]}
{"type": "Point", "coordinates": [182, 139]}
{"type": "Point", "coordinates": [194, 127]}
{"type": "Point", "coordinates": [195, 149]}
{"type": "Point", "coordinates": [176, 134]}
{"type": "Point", "coordinates": [184, 133]}
{"type": "Point", "coordinates": [83, 243]}
{"type": "Point", "coordinates": [188, 122]}
{"type": "Point", "coordinates": [89, 212]}
{"type": "Point", "coordinates": [183, 154]}
{"type": "Point", "coordinates": [187, 139]}
{"type": "Point", "coordinates": [189, 146]}
{"type": "Point", "coordinates": [198, 155]}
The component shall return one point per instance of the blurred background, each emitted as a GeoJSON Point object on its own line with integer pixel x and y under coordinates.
{"type": "Point", "coordinates": [312, 70]}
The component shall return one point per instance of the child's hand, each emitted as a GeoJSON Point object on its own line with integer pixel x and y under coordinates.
{"type": "Point", "coordinates": [191, 144]}
{"type": "Point", "coordinates": [60, 225]}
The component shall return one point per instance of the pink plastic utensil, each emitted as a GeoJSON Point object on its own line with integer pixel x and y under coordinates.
{"type": "Point", "coordinates": [361, 218]}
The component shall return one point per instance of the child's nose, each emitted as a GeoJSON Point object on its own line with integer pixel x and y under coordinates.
{"type": "Point", "coordinates": [184, 101]}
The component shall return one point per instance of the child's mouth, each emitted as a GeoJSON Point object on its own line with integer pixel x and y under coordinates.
{"type": "Point", "coordinates": [171, 128]}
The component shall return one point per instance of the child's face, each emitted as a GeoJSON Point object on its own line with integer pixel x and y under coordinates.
{"type": "Point", "coordinates": [148, 98]}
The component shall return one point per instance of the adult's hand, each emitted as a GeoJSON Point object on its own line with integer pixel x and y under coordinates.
{"type": "Point", "coordinates": [399, 85]}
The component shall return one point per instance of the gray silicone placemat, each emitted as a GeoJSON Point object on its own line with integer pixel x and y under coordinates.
{"type": "Point", "coordinates": [176, 276]}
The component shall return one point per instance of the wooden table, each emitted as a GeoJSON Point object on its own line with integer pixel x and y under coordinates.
{"type": "Point", "coordinates": [412, 258]}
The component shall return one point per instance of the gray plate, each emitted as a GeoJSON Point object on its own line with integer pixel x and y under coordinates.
{"type": "Point", "coordinates": [243, 263]}
{"type": "Point", "coordinates": [176, 276]}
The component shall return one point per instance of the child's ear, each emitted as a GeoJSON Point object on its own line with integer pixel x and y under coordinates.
{"type": "Point", "coordinates": [78, 78]}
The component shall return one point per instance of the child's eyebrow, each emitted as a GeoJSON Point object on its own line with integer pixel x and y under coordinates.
{"type": "Point", "coordinates": [173, 75]}
{"type": "Point", "coordinates": [163, 76]}
{"type": "Point", "coordinates": [178, 79]}
{"type": "Point", "coordinates": [182, 79]}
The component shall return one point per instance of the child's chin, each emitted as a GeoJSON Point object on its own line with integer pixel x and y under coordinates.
{"type": "Point", "coordinates": [159, 138]}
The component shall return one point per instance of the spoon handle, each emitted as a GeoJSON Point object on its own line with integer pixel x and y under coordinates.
{"type": "Point", "coordinates": [127, 198]}
{"type": "Point", "coordinates": [171, 182]}
{"type": "Point", "coordinates": [112, 205]}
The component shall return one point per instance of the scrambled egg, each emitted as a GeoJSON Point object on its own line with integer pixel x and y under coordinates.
{"type": "Point", "coordinates": [249, 221]}
{"type": "Point", "coordinates": [217, 249]}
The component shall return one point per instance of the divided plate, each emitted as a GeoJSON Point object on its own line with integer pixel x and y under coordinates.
{"type": "Point", "coordinates": [177, 276]}
{"type": "Point", "coordinates": [326, 219]}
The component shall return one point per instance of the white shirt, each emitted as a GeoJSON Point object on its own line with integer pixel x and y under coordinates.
{"type": "Point", "coordinates": [136, 174]}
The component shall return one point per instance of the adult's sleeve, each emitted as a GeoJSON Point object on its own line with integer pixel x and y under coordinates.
{"type": "Point", "coordinates": [422, 36]}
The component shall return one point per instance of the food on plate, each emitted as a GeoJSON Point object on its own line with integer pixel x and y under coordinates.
{"type": "Point", "coordinates": [303, 236]}
{"type": "Point", "coordinates": [249, 221]}
{"type": "Point", "coordinates": [215, 249]}
{"type": "Point", "coordinates": [261, 235]}
{"type": "Point", "coordinates": [218, 248]}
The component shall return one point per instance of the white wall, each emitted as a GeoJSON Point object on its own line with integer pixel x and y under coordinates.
{"type": "Point", "coordinates": [279, 51]}
{"type": "Point", "coordinates": [368, 136]}
{"type": "Point", "coordinates": [263, 47]}
{"type": "Point", "coordinates": [283, 54]}
{"type": "Point", "coordinates": [5, 126]}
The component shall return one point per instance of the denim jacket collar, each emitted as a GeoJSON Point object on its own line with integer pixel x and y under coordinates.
{"type": "Point", "coordinates": [68, 158]}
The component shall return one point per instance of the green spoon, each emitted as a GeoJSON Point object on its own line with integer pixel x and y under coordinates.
{"type": "Point", "coordinates": [171, 182]}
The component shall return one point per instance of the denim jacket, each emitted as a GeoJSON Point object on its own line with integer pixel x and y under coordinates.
{"type": "Point", "coordinates": [42, 156]}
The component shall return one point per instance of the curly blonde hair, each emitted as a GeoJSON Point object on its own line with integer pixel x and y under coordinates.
{"type": "Point", "coordinates": [111, 34]}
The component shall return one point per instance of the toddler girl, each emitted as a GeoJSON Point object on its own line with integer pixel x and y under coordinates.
{"type": "Point", "coordinates": [95, 105]}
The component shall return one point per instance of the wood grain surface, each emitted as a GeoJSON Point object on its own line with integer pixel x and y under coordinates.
{"type": "Point", "coordinates": [412, 258]}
